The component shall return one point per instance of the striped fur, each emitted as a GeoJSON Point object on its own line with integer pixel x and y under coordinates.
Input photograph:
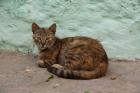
{"type": "Point", "coordinates": [72, 57]}
{"type": "Point", "coordinates": [76, 74]}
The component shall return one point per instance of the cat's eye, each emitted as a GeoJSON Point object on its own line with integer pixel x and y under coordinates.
{"type": "Point", "coordinates": [35, 38]}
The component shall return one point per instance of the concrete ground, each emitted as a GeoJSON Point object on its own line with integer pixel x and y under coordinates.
{"type": "Point", "coordinates": [19, 74]}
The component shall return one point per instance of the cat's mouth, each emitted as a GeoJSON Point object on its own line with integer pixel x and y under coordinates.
{"type": "Point", "coordinates": [40, 47]}
{"type": "Point", "coordinates": [44, 48]}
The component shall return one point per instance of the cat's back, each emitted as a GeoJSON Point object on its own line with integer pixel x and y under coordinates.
{"type": "Point", "coordinates": [81, 44]}
{"type": "Point", "coordinates": [80, 40]}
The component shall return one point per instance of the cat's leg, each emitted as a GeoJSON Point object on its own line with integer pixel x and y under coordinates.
{"type": "Point", "coordinates": [57, 66]}
{"type": "Point", "coordinates": [41, 63]}
{"type": "Point", "coordinates": [44, 63]}
{"type": "Point", "coordinates": [40, 60]}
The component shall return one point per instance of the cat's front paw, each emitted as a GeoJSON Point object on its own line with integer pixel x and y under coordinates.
{"type": "Point", "coordinates": [57, 66]}
{"type": "Point", "coordinates": [41, 63]}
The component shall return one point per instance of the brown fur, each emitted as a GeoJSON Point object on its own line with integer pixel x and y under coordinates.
{"type": "Point", "coordinates": [72, 57]}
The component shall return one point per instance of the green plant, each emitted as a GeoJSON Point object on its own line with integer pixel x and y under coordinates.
{"type": "Point", "coordinates": [86, 92]}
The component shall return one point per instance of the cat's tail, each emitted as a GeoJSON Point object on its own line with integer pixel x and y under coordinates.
{"type": "Point", "coordinates": [77, 74]}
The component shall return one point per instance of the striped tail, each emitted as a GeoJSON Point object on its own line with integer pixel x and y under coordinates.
{"type": "Point", "coordinates": [75, 74]}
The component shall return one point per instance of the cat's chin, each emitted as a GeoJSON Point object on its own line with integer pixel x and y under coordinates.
{"type": "Point", "coordinates": [41, 49]}
{"type": "Point", "coordinates": [48, 47]}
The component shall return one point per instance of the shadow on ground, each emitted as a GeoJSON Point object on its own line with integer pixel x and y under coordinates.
{"type": "Point", "coordinates": [19, 74]}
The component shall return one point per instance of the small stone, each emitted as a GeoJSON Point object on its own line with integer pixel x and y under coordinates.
{"type": "Point", "coordinates": [113, 78]}
{"type": "Point", "coordinates": [56, 85]}
{"type": "Point", "coordinates": [28, 70]}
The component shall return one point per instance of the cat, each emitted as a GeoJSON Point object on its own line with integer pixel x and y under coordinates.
{"type": "Point", "coordinates": [71, 57]}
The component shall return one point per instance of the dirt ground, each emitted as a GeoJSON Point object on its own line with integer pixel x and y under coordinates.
{"type": "Point", "coordinates": [20, 74]}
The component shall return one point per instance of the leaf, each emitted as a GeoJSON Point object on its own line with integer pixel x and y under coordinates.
{"type": "Point", "coordinates": [49, 78]}
{"type": "Point", "coordinates": [86, 92]}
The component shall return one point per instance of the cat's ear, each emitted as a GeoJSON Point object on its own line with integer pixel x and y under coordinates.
{"type": "Point", "coordinates": [53, 28]}
{"type": "Point", "coordinates": [34, 27]}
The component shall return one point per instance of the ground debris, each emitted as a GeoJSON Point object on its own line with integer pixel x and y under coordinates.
{"type": "Point", "coordinates": [56, 85]}
{"type": "Point", "coordinates": [86, 92]}
{"type": "Point", "coordinates": [28, 70]}
{"type": "Point", "coordinates": [113, 78]}
{"type": "Point", "coordinates": [49, 78]}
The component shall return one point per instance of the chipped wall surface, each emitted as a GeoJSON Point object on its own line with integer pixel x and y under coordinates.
{"type": "Point", "coordinates": [116, 23]}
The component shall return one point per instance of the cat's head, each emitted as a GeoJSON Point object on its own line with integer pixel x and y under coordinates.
{"type": "Point", "coordinates": [44, 37]}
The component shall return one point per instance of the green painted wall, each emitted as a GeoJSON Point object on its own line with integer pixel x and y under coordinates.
{"type": "Point", "coordinates": [116, 23]}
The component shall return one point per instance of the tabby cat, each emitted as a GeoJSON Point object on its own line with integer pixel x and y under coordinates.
{"type": "Point", "coordinates": [72, 57]}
